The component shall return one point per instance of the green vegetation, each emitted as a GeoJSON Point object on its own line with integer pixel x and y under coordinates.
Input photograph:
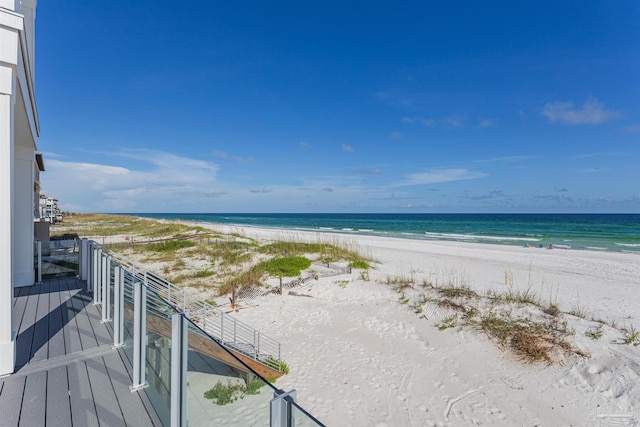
{"type": "Point", "coordinates": [342, 283]}
{"type": "Point", "coordinates": [253, 387]}
{"type": "Point", "coordinates": [359, 263]}
{"type": "Point", "coordinates": [286, 267]}
{"type": "Point", "coordinates": [447, 323]}
{"type": "Point", "coordinates": [327, 252]}
{"type": "Point", "coordinates": [595, 334]}
{"type": "Point", "coordinates": [632, 336]}
{"type": "Point", "coordinates": [277, 364]}
{"type": "Point", "coordinates": [457, 291]}
{"type": "Point", "coordinates": [223, 394]}
{"type": "Point", "coordinates": [169, 245]}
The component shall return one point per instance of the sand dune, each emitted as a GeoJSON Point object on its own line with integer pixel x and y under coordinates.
{"type": "Point", "coordinates": [360, 357]}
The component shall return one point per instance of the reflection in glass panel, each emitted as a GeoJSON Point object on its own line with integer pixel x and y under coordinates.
{"type": "Point", "coordinates": [158, 355]}
{"type": "Point", "coordinates": [128, 316]}
{"type": "Point", "coordinates": [303, 419]}
{"type": "Point", "coordinates": [221, 390]}
{"type": "Point", "coordinates": [59, 258]}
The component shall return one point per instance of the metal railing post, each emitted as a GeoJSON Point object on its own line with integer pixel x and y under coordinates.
{"type": "Point", "coordinates": [281, 410]}
{"type": "Point", "coordinates": [95, 281]}
{"type": "Point", "coordinates": [258, 348]}
{"type": "Point", "coordinates": [80, 266]}
{"type": "Point", "coordinates": [107, 299]}
{"type": "Point", "coordinates": [179, 335]}
{"type": "Point", "coordinates": [39, 250]}
{"type": "Point", "coordinates": [118, 306]}
{"type": "Point", "coordinates": [105, 288]}
{"type": "Point", "coordinates": [222, 327]}
{"type": "Point", "coordinates": [139, 336]}
{"type": "Point", "coordinates": [84, 258]}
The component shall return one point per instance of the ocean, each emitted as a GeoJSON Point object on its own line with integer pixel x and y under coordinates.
{"type": "Point", "coordinates": [596, 232]}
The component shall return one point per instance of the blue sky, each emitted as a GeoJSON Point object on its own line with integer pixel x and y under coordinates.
{"type": "Point", "coordinates": [350, 106]}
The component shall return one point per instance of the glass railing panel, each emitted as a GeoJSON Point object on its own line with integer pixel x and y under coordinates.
{"type": "Point", "coordinates": [158, 354]}
{"type": "Point", "coordinates": [301, 418]}
{"type": "Point", "coordinates": [127, 316]}
{"type": "Point", "coordinates": [111, 290]}
{"type": "Point", "coordinates": [221, 390]}
{"type": "Point", "coordinates": [59, 258]}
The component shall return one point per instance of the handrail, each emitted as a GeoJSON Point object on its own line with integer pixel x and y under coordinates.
{"type": "Point", "coordinates": [229, 331]}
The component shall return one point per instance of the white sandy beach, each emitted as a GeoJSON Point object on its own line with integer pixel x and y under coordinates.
{"type": "Point", "coordinates": [359, 357]}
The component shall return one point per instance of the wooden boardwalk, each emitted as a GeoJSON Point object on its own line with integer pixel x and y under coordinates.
{"type": "Point", "coordinates": [67, 373]}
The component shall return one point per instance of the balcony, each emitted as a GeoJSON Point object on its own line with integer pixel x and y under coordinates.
{"type": "Point", "coordinates": [126, 348]}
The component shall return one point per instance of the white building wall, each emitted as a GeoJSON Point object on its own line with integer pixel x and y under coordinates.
{"type": "Point", "coordinates": [18, 138]}
{"type": "Point", "coordinates": [7, 334]}
{"type": "Point", "coordinates": [23, 271]}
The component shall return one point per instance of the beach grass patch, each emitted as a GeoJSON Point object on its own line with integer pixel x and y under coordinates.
{"type": "Point", "coordinates": [577, 311]}
{"type": "Point", "coordinates": [530, 341]}
{"type": "Point", "coordinates": [522, 297]}
{"type": "Point", "coordinates": [447, 323]}
{"type": "Point", "coordinates": [360, 264]}
{"type": "Point", "coordinates": [552, 310]}
{"type": "Point", "coordinates": [170, 245]}
{"type": "Point", "coordinates": [287, 266]}
{"type": "Point", "coordinates": [595, 334]}
{"type": "Point", "coordinates": [277, 364]}
{"type": "Point", "coordinates": [457, 292]}
{"type": "Point", "coordinates": [632, 336]}
{"type": "Point", "coordinates": [223, 394]}
{"type": "Point", "coordinates": [203, 273]}
{"type": "Point", "coordinates": [253, 387]}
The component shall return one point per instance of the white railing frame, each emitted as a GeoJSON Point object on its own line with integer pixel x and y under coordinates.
{"type": "Point", "coordinates": [214, 321]}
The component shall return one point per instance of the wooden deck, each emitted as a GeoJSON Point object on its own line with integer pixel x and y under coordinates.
{"type": "Point", "coordinates": [67, 373]}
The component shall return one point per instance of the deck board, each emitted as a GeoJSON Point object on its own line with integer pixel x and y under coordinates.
{"type": "Point", "coordinates": [71, 334]}
{"type": "Point", "coordinates": [83, 408]}
{"type": "Point", "coordinates": [56, 332]}
{"type": "Point", "coordinates": [34, 401]}
{"type": "Point", "coordinates": [129, 402]}
{"type": "Point", "coordinates": [24, 339]}
{"type": "Point", "coordinates": [87, 336]}
{"type": "Point", "coordinates": [107, 408]}
{"type": "Point", "coordinates": [11, 401]}
{"type": "Point", "coordinates": [58, 402]}
{"type": "Point", "coordinates": [67, 373]}
{"type": "Point", "coordinates": [40, 346]}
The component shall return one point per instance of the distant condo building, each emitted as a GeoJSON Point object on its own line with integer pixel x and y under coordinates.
{"type": "Point", "coordinates": [48, 209]}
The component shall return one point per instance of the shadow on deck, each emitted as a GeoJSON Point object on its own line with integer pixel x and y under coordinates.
{"type": "Point", "coordinates": [67, 372]}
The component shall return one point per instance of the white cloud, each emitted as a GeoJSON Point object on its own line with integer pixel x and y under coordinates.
{"type": "Point", "coordinates": [591, 113]}
{"type": "Point", "coordinates": [631, 129]}
{"type": "Point", "coordinates": [506, 159]}
{"type": "Point", "coordinates": [435, 176]}
{"type": "Point", "coordinates": [486, 123]}
{"type": "Point", "coordinates": [453, 121]}
{"type": "Point", "coordinates": [263, 190]}
{"type": "Point", "coordinates": [225, 155]}
{"type": "Point", "coordinates": [159, 180]}
{"type": "Point", "coordinates": [396, 136]}
{"type": "Point", "coordinates": [305, 145]}
{"type": "Point", "coordinates": [365, 171]}
{"type": "Point", "coordinates": [347, 148]}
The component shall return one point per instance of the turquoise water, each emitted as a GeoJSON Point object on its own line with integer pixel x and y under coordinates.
{"type": "Point", "coordinates": [599, 232]}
